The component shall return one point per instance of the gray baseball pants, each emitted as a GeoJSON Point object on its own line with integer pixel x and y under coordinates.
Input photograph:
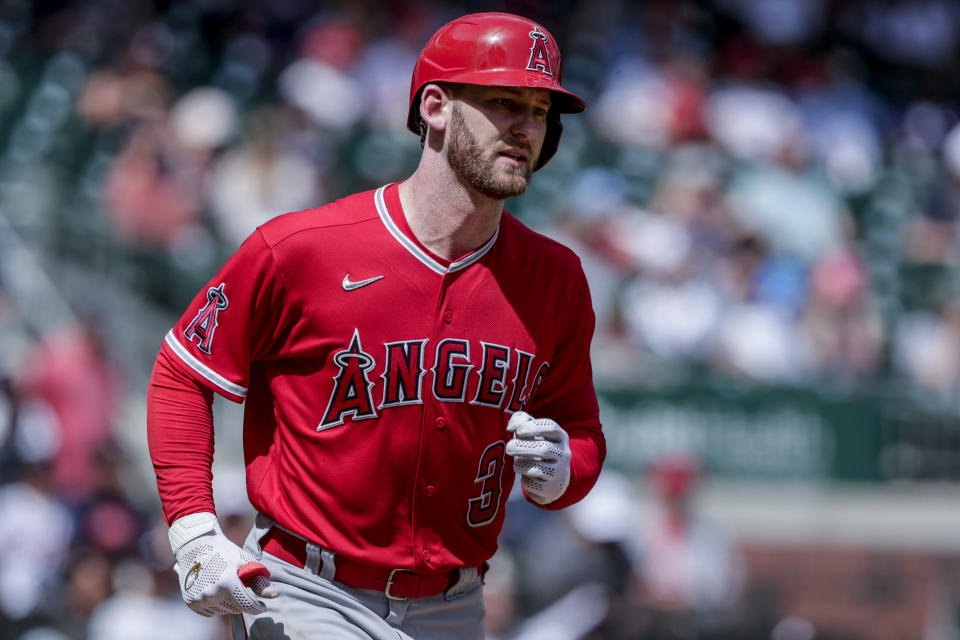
{"type": "Point", "coordinates": [312, 605]}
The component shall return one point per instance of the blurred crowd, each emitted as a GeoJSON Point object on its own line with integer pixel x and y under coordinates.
{"type": "Point", "coordinates": [766, 190]}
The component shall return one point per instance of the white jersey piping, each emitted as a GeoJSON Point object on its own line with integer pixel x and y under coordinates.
{"type": "Point", "coordinates": [419, 253]}
{"type": "Point", "coordinates": [205, 371]}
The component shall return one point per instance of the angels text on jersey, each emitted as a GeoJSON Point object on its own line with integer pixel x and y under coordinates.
{"type": "Point", "coordinates": [504, 377]}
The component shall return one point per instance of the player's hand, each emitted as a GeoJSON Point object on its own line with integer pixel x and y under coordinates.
{"type": "Point", "coordinates": [541, 455]}
{"type": "Point", "coordinates": [216, 576]}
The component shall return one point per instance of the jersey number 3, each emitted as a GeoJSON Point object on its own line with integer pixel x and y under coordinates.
{"type": "Point", "coordinates": [483, 509]}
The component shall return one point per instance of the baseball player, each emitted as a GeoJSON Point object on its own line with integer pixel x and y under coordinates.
{"type": "Point", "coordinates": [403, 354]}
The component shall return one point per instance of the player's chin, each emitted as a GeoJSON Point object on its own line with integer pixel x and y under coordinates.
{"type": "Point", "coordinates": [513, 184]}
{"type": "Point", "coordinates": [516, 176]}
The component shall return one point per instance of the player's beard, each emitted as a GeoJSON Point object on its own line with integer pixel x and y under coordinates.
{"type": "Point", "coordinates": [469, 163]}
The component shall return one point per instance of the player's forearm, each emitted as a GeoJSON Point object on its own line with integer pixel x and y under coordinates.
{"type": "Point", "coordinates": [180, 436]}
{"type": "Point", "coordinates": [588, 449]}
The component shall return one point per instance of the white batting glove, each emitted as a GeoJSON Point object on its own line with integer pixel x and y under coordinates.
{"type": "Point", "coordinates": [541, 455]}
{"type": "Point", "coordinates": [216, 576]}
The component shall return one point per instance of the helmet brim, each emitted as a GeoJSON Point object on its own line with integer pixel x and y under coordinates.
{"type": "Point", "coordinates": [562, 101]}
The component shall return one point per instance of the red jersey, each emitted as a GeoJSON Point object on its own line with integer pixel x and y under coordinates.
{"type": "Point", "coordinates": [379, 378]}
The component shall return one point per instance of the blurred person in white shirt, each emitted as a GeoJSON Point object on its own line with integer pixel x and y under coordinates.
{"type": "Point", "coordinates": [691, 574]}
{"type": "Point", "coordinates": [35, 526]}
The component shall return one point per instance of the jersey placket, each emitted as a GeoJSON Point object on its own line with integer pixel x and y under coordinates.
{"type": "Point", "coordinates": [432, 483]}
{"type": "Point", "coordinates": [435, 428]}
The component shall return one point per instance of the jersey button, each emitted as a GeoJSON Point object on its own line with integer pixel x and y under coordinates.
{"type": "Point", "coordinates": [441, 422]}
{"type": "Point", "coordinates": [448, 316]}
{"type": "Point", "coordinates": [431, 490]}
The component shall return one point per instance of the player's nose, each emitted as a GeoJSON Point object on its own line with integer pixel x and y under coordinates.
{"type": "Point", "coordinates": [526, 124]}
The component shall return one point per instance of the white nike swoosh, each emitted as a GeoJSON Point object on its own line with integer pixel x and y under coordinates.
{"type": "Point", "coordinates": [350, 286]}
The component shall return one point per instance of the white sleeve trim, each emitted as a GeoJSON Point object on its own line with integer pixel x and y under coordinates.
{"type": "Point", "coordinates": [191, 361]}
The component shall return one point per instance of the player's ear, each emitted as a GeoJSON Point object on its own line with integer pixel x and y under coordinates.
{"type": "Point", "coordinates": [435, 106]}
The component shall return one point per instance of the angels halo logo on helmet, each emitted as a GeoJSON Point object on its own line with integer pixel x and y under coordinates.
{"type": "Point", "coordinates": [539, 57]}
{"type": "Point", "coordinates": [496, 50]}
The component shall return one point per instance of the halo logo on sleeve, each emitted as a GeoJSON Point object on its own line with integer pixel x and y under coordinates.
{"type": "Point", "coordinates": [205, 323]}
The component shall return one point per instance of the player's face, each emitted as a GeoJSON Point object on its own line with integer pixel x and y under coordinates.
{"type": "Point", "coordinates": [495, 137]}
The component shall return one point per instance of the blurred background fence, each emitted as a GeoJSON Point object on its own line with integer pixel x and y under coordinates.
{"type": "Point", "coordinates": [764, 195]}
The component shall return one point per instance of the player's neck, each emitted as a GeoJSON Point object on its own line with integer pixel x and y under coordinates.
{"type": "Point", "coordinates": [447, 217]}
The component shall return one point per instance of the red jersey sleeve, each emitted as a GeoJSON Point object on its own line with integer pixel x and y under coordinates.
{"type": "Point", "coordinates": [180, 436]}
{"type": "Point", "coordinates": [240, 316]}
{"type": "Point", "coordinates": [567, 395]}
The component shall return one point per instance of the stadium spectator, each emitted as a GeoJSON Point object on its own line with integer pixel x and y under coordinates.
{"type": "Point", "coordinates": [691, 573]}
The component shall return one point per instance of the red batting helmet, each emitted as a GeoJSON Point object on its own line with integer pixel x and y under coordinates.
{"type": "Point", "coordinates": [496, 50]}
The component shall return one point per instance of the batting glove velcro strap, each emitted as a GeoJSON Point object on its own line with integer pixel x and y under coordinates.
{"type": "Point", "coordinates": [541, 455]}
{"type": "Point", "coordinates": [216, 576]}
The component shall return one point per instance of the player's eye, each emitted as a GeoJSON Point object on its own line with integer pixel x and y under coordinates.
{"type": "Point", "coordinates": [540, 113]}
{"type": "Point", "coordinates": [504, 102]}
